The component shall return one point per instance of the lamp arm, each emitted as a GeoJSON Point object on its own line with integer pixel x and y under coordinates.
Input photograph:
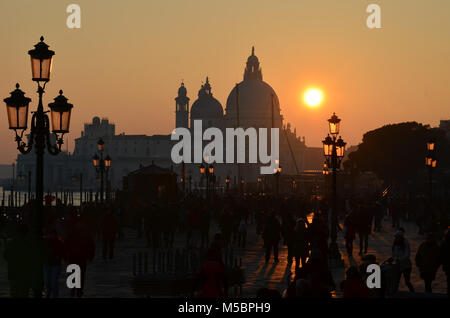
{"type": "Point", "coordinates": [52, 149]}
{"type": "Point", "coordinates": [22, 146]}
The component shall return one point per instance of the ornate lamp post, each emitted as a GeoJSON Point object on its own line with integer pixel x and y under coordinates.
{"type": "Point", "coordinates": [333, 149]}
{"type": "Point", "coordinates": [278, 178]}
{"type": "Point", "coordinates": [101, 165]}
{"type": "Point", "coordinates": [259, 184]}
{"type": "Point", "coordinates": [60, 111]}
{"type": "Point", "coordinates": [430, 163]}
{"type": "Point", "coordinates": [325, 172]}
{"type": "Point", "coordinates": [190, 183]}
{"type": "Point", "coordinates": [202, 173]}
{"type": "Point", "coordinates": [209, 172]}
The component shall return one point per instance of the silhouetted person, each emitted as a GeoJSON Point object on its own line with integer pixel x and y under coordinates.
{"type": "Point", "coordinates": [428, 260]}
{"type": "Point", "coordinates": [353, 285]}
{"type": "Point", "coordinates": [217, 245]}
{"type": "Point", "coordinates": [242, 232]}
{"type": "Point", "coordinates": [363, 227]}
{"type": "Point", "coordinates": [401, 254]}
{"type": "Point", "coordinates": [317, 274]}
{"type": "Point", "coordinates": [17, 256]}
{"type": "Point", "coordinates": [212, 277]}
{"type": "Point", "coordinates": [445, 258]}
{"type": "Point", "coordinates": [55, 253]}
{"type": "Point", "coordinates": [109, 228]}
{"type": "Point", "coordinates": [271, 236]}
{"type": "Point", "coordinates": [301, 243]}
{"type": "Point", "coordinates": [288, 232]}
{"type": "Point", "coordinates": [192, 225]}
{"type": "Point", "coordinates": [80, 249]}
{"type": "Point", "coordinates": [226, 226]}
{"type": "Point", "coordinates": [318, 234]}
{"type": "Point", "coordinates": [378, 216]}
{"type": "Point", "coordinates": [204, 224]}
{"type": "Point", "coordinates": [349, 233]}
{"type": "Point", "coordinates": [395, 214]}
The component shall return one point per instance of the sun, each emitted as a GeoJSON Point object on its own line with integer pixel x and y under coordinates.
{"type": "Point", "coordinates": [313, 97]}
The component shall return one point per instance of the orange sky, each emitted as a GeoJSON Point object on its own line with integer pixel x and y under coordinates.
{"type": "Point", "coordinates": [127, 60]}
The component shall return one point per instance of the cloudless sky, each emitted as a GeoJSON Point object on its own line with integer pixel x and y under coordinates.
{"type": "Point", "coordinates": [129, 57]}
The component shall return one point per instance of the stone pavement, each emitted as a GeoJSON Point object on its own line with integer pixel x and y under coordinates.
{"type": "Point", "coordinates": [112, 278]}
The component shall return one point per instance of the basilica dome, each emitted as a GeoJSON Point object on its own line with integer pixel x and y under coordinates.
{"type": "Point", "coordinates": [255, 95]}
{"type": "Point", "coordinates": [206, 106]}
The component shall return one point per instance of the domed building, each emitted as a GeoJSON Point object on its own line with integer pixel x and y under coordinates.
{"type": "Point", "coordinates": [251, 103]}
{"type": "Point", "coordinates": [258, 104]}
{"type": "Point", "coordinates": [206, 108]}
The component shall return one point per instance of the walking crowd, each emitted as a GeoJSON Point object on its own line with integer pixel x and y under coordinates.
{"type": "Point", "coordinates": [301, 224]}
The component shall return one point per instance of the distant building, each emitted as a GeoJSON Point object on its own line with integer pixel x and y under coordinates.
{"type": "Point", "coordinates": [445, 125]}
{"type": "Point", "coordinates": [128, 153]}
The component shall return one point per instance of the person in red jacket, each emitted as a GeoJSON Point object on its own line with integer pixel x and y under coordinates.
{"type": "Point", "coordinates": [212, 277]}
{"type": "Point", "coordinates": [353, 286]}
{"type": "Point", "coordinates": [80, 249]}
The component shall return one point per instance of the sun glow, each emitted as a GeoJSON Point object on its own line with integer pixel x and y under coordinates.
{"type": "Point", "coordinates": [313, 97]}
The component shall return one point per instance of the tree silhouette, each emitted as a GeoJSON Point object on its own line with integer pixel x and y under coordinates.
{"type": "Point", "coordinates": [396, 153]}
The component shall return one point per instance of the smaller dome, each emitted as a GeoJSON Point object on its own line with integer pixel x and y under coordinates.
{"type": "Point", "coordinates": [206, 106]}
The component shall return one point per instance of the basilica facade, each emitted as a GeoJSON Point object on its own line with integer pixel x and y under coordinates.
{"type": "Point", "coordinates": [252, 103]}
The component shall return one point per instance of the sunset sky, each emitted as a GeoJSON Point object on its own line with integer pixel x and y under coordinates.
{"type": "Point", "coordinates": [129, 57]}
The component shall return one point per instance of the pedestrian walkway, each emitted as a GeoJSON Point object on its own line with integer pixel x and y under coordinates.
{"type": "Point", "coordinates": [112, 278]}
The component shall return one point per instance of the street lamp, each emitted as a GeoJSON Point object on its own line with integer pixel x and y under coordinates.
{"type": "Point", "coordinates": [202, 169]}
{"type": "Point", "coordinates": [259, 184]}
{"type": "Point", "coordinates": [430, 145]}
{"type": "Point", "coordinates": [96, 161]}
{"type": "Point", "coordinates": [41, 61]}
{"type": "Point", "coordinates": [333, 150]}
{"type": "Point", "coordinates": [430, 163]}
{"type": "Point", "coordinates": [60, 111]}
{"type": "Point", "coordinates": [278, 178]}
{"type": "Point", "coordinates": [100, 145]}
{"type": "Point", "coordinates": [108, 161]}
{"type": "Point", "coordinates": [325, 170]}
{"type": "Point", "coordinates": [39, 137]}
{"type": "Point", "coordinates": [208, 171]}
{"type": "Point", "coordinates": [334, 124]}
{"type": "Point", "coordinates": [101, 165]}
{"type": "Point", "coordinates": [227, 182]}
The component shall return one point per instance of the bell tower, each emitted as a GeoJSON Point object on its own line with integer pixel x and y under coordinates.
{"type": "Point", "coordinates": [182, 108]}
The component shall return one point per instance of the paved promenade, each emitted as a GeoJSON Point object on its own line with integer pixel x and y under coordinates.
{"type": "Point", "coordinates": [112, 278]}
